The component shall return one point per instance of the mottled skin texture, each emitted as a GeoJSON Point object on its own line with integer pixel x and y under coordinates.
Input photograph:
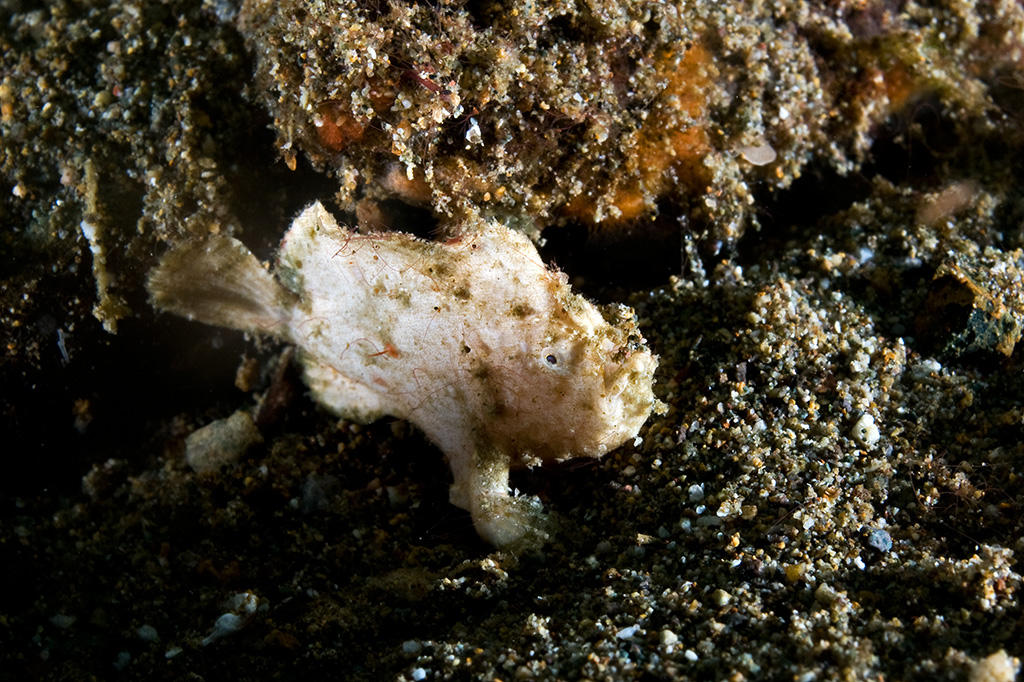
{"type": "Point", "coordinates": [474, 340]}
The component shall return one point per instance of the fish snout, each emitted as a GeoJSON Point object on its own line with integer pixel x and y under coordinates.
{"type": "Point", "coordinates": [633, 365]}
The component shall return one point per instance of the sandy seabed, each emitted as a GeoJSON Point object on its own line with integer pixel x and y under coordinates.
{"type": "Point", "coordinates": [813, 210]}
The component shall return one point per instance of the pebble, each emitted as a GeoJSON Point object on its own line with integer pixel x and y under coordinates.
{"type": "Point", "coordinates": [148, 633]}
{"type": "Point", "coordinates": [227, 624]}
{"type": "Point", "coordinates": [721, 597]}
{"type": "Point", "coordinates": [63, 621]}
{"type": "Point", "coordinates": [865, 431]}
{"type": "Point", "coordinates": [122, 660]}
{"type": "Point", "coordinates": [880, 540]}
{"type": "Point", "coordinates": [627, 632]}
{"type": "Point", "coordinates": [221, 442]}
{"type": "Point", "coordinates": [243, 607]}
{"type": "Point", "coordinates": [999, 667]}
{"type": "Point", "coordinates": [758, 155]}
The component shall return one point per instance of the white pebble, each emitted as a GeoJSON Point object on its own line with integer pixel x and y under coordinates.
{"type": "Point", "coordinates": [758, 155]}
{"type": "Point", "coordinates": [473, 133]}
{"type": "Point", "coordinates": [865, 432]}
{"type": "Point", "coordinates": [243, 606]}
{"type": "Point", "coordinates": [721, 597]}
{"type": "Point", "coordinates": [627, 632]}
{"type": "Point", "coordinates": [221, 442]}
{"type": "Point", "coordinates": [227, 624]}
{"type": "Point", "coordinates": [244, 603]}
{"type": "Point", "coordinates": [999, 667]}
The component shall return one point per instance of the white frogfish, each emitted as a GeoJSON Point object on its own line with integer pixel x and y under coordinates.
{"type": "Point", "coordinates": [474, 340]}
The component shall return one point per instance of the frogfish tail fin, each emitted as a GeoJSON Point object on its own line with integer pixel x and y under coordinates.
{"type": "Point", "coordinates": [220, 282]}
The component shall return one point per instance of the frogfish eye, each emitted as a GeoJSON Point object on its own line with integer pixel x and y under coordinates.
{"type": "Point", "coordinates": [551, 360]}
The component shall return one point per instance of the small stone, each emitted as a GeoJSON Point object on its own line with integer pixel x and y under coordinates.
{"type": "Point", "coordinates": [721, 598]}
{"type": "Point", "coordinates": [148, 633]}
{"type": "Point", "coordinates": [795, 572]}
{"type": "Point", "coordinates": [411, 647]}
{"type": "Point", "coordinates": [627, 632]}
{"type": "Point", "coordinates": [101, 479]}
{"type": "Point", "coordinates": [419, 674]}
{"type": "Point", "coordinates": [758, 155]}
{"type": "Point", "coordinates": [999, 667]}
{"type": "Point", "coordinates": [63, 621]}
{"type": "Point", "coordinates": [865, 431]}
{"type": "Point", "coordinates": [221, 442]}
{"type": "Point", "coordinates": [473, 135]}
{"type": "Point", "coordinates": [122, 660]}
{"type": "Point", "coordinates": [825, 594]}
{"type": "Point", "coordinates": [880, 540]}
{"type": "Point", "coordinates": [282, 640]}
{"type": "Point", "coordinates": [244, 603]}
{"type": "Point", "coordinates": [317, 491]}
{"type": "Point", "coordinates": [709, 521]}
{"type": "Point", "coordinates": [227, 624]}
{"type": "Point", "coordinates": [243, 606]}
{"type": "Point", "coordinates": [668, 638]}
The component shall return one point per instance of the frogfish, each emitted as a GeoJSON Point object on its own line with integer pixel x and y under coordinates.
{"type": "Point", "coordinates": [474, 340]}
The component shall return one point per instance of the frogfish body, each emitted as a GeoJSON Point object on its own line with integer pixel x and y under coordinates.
{"type": "Point", "coordinates": [474, 340]}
